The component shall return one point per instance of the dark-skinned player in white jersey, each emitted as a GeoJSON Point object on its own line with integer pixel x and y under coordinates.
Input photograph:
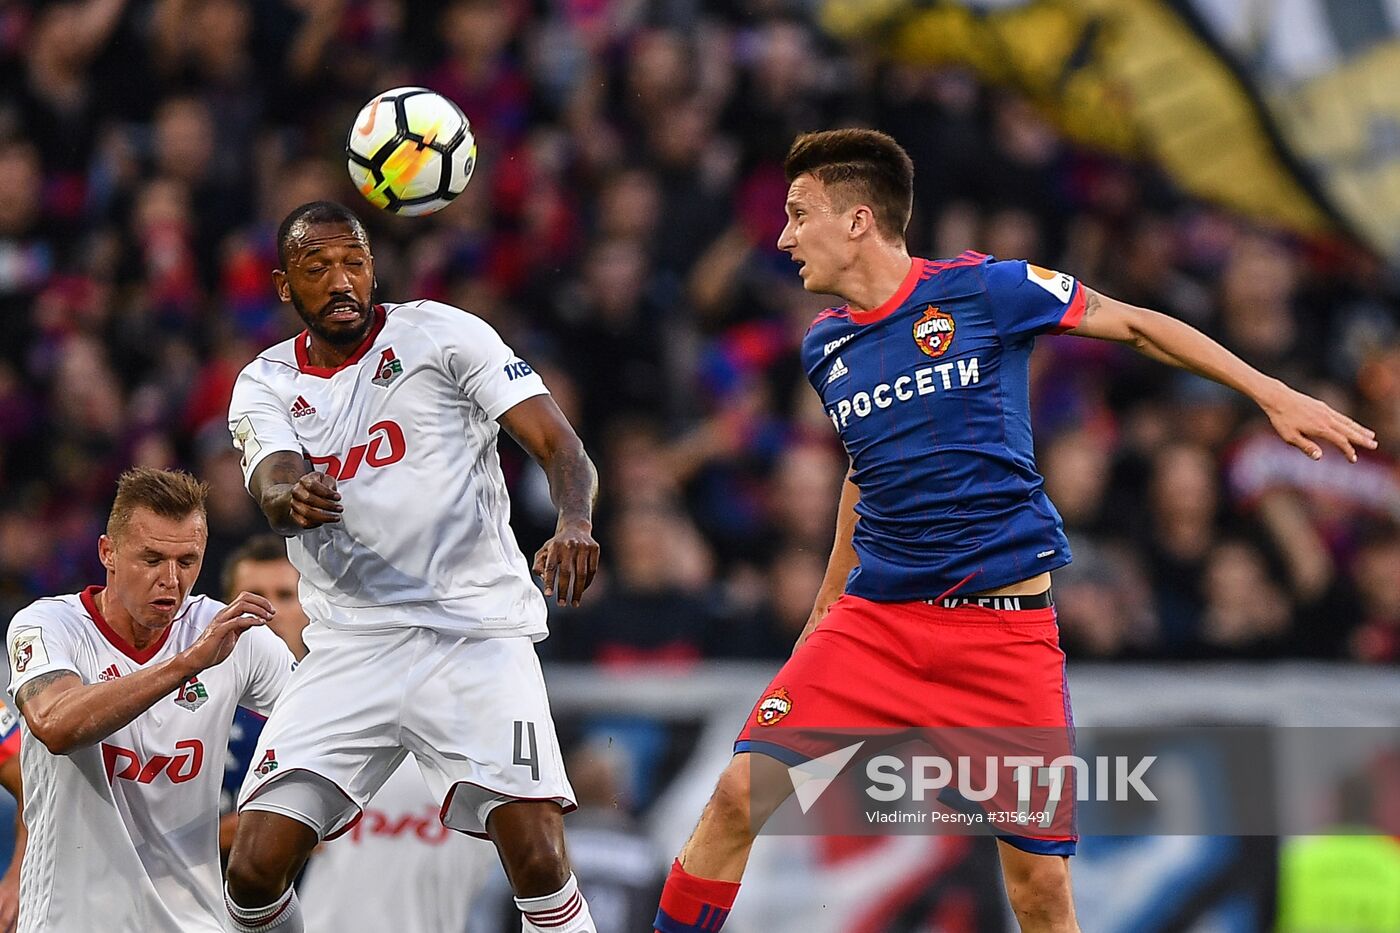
{"type": "Point", "coordinates": [369, 441]}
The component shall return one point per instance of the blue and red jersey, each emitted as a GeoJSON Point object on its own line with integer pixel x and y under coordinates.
{"type": "Point", "coordinates": [9, 733]}
{"type": "Point", "coordinates": [930, 393]}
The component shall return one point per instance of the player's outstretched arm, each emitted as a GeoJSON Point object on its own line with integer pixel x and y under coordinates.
{"type": "Point", "coordinates": [1299, 419]}
{"type": "Point", "coordinates": [292, 495]}
{"type": "Point", "coordinates": [839, 566]}
{"type": "Point", "coordinates": [569, 560]}
{"type": "Point", "coordinates": [66, 714]}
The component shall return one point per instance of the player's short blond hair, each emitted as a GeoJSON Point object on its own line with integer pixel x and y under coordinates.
{"type": "Point", "coordinates": [167, 493]}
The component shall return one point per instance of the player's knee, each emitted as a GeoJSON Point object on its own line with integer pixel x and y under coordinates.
{"type": "Point", "coordinates": [537, 870]}
{"type": "Point", "coordinates": [729, 807]}
{"type": "Point", "coordinates": [1039, 891]}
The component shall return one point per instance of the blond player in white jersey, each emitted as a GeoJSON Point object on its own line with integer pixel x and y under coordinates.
{"type": "Point", "coordinates": [127, 693]}
{"type": "Point", "coordinates": [369, 441]}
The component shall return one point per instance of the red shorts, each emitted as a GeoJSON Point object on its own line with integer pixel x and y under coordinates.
{"type": "Point", "coordinates": [991, 678]}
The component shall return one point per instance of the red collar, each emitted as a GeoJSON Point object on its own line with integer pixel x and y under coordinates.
{"type": "Point", "coordinates": [303, 339]}
{"type": "Point", "coordinates": [906, 288]}
{"type": "Point", "coordinates": [139, 655]}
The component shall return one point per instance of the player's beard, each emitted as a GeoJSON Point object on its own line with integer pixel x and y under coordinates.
{"type": "Point", "coordinates": [337, 336]}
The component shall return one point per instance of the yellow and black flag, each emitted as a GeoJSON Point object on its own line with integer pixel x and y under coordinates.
{"type": "Point", "coordinates": [1286, 113]}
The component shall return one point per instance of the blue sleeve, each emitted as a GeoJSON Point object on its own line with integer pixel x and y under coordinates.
{"type": "Point", "coordinates": [1027, 300]}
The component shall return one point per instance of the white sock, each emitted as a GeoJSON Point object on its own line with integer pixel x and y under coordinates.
{"type": "Point", "coordinates": [282, 915]}
{"type": "Point", "coordinates": [564, 911]}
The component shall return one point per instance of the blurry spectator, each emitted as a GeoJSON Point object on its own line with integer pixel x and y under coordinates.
{"type": "Point", "coordinates": [1376, 575]}
{"type": "Point", "coordinates": [610, 336]}
{"type": "Point", "coordinates": [233, 517]}
{"type": "Point", "coordinates": [1246, 611]}
{"type": "Point", "coordinates": [652, 608]}
{"type": "Point", "coordinates": [1150, 278]}
{"type": "Point", "coordinates": [1257, 318]}
{"type": "Point", "coordinates": [1311, 510]}
{"type": "Point", "coordinates": [1182, 504]}
{"type": "Point", "coordinates": [26, 257]}
{"type": "Point", "coordinates": [1104, 603]}
{"type": "Point", "coordinates": [476, 71]}
{"type": "Point", "coordinates": [58, 100]}
{"type": "Point", "coordinates": [187, 147]}
{"type": "Point", "coordinates": [1077, 471]}
{"type": "Point", "coordinates": [1205, 412]}
{"type": "Point", "coordinates": [807, 486]}
{"type": "Point", "coordinates": [644, 475]}
{"type": "Point", "coordinates": [768, 613]}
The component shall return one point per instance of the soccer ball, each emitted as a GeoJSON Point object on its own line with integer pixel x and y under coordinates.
{"type": "Point", "coordinates": [411, 151]}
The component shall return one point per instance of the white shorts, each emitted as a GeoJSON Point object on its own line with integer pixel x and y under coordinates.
{"type": "Point", "coordinates": [472, 711]}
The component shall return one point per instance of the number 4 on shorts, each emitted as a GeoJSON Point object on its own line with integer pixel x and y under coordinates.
{"type": "Point", "coordinates": [525, 734]}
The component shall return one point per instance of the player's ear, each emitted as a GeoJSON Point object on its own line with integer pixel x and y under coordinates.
{"type": "Point", "coordinates": [279, 282]}
{"type": "Point", "coordinates": [107, 553]}
{"type": "Point", "coordinates": [862, 219]}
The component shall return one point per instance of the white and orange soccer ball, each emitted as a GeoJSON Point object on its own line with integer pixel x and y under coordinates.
{"type": "Point", "coordinates": [411, 151]}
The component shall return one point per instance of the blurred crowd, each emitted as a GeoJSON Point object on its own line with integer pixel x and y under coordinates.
{"type": "Point", "coordinates": [619, 232]}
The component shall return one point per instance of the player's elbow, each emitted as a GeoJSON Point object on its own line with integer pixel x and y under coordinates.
{"type": "Point", "coordinates": [57, 741]}
{"type": "Point", "coordinates": [52, 733]}
{"type": "Point", "coordinates": [1132, 327]}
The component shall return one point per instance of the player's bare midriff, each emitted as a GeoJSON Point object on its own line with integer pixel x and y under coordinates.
{"type": "Point", "coordinates": [1028, 587]}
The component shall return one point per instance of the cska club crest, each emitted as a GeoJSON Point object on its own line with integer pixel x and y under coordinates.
{"type": "Point", "coordinates": [773, 707]}
{"type": "Point", "coordinates": [192, 695]}
{"type": "Point", "coordinates": [388, 370]}
{"type": "Point", "coordinates": [933, 333]}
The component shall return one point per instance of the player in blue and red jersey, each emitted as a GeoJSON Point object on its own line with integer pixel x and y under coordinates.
{"type": "Point", "coordinates": [935, 610]}
{"type": "Point", "coordinates": [10, 779]}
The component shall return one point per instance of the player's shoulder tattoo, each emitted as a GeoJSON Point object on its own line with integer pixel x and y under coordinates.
{"type": "Point", "coordinates": [37, 685]}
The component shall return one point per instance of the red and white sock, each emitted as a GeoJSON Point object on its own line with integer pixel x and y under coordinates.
{"type": "Point", "coordinates": [281, 916]}
{"type": "Point", "coordinates": [564, 911]}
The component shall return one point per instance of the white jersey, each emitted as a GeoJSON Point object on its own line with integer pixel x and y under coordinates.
{"type": "Point", "coordinates": [124, 834]}
{"type": "Point", "coordinates": [398, 868]}
{"type": "Point", "coordinates": [407, 425]}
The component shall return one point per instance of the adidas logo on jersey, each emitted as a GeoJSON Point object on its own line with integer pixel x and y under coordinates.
{"type": "Point", "coordinates": [838, 369]}
{"type": "Point", "coordinates": [111, 673]}
{"type": "Point", "coordinates": [301, 407]}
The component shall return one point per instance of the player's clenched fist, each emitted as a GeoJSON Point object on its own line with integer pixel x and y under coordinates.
{"type": "Point", "coordinates": [567, 563]}
{"type": "Point", "coordinates": [216, 642]}
{"type": "Point", "coordinates": [315, 501]}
